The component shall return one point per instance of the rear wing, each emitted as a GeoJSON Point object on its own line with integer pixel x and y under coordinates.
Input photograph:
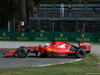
{"type": "Point", "coordinates": [85, 45]}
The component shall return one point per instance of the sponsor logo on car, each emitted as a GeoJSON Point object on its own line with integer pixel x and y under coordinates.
{"type": "Point", "coordinates": [55, 51]}
{"type": "Point", "coordinates": [37, 48]}
{"type": "Point", "coordinates": [49, 50]}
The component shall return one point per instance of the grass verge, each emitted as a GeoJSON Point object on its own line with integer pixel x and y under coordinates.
{"type": "Point", "coordinates": [84, 67]}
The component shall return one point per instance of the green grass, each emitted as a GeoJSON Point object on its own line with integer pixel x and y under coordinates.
{"type": "Point", "coordinates": [87, 65]}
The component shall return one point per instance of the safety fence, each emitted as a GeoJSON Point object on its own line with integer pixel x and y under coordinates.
{"type": "Point", "coordinates": [47, 36]}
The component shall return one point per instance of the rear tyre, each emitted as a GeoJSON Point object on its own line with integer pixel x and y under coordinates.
{"type": "Point", "coordinates": [80, 53]}
{"type": "Point", "coordinates": [22, 52]}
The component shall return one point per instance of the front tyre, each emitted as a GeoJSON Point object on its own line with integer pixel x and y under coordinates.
{"type": "Point", "coordinates": [80, 53]}
{"type": "Point", "coordinates": [22, 52]}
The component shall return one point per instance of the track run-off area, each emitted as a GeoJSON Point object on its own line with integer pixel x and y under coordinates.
{"type": "Point", "coordinates": [31, 61]}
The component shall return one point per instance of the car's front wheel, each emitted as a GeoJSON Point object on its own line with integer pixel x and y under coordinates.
{"type": "Point", "coordinates": [80, 53]}
{"type": "Point", "coordinates": [22, 52]}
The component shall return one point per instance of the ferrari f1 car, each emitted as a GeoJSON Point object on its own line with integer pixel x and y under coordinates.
{"type": "Point", "coordinates": [55, 47]}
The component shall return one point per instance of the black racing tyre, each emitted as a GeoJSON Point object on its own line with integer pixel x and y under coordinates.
{"type": "Point", "coordinates": [22, 52]}
{"type": "Point", "coordinates": [80, 53]}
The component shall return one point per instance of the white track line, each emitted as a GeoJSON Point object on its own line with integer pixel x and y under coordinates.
{"type": "Point", "coordinates": [58, 63]}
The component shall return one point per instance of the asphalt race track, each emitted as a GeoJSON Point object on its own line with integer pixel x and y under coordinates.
{"type": "Point", "coordinates": [8, 62]}
{"type": "Point", "coordinates": [30, 61]}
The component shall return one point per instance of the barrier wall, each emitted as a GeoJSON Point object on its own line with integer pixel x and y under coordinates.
{"type": "Point", "coordinates": [47, 36]}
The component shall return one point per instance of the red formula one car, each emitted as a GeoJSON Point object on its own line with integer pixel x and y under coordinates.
{"type": "Point", "coordinates": [55, 47]}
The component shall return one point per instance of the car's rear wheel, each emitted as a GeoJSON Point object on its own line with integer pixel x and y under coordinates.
{"type": "Point", "coordinates": [22, 52]}
{"type": "Point", "coordinates": [80, 53]}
